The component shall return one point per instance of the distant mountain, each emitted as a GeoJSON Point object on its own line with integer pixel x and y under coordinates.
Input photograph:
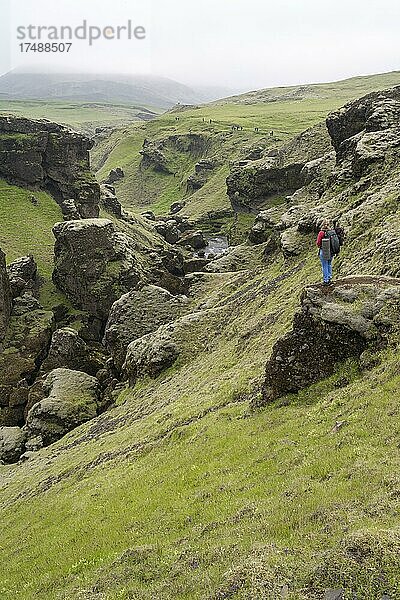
{"type": "Point", "coordinates": [144, 90]}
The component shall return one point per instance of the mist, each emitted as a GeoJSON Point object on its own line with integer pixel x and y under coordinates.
{"type": "Point", "coordinates": [241, 45]}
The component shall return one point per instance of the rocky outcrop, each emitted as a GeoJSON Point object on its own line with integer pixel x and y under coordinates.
{"type": "Point", "coordinates": [151, 354]}
{"type": "Point", "coordinates": [70, 398]}
{"type": "Point", "coordinates": [94, 264]}
{"type": "Point", "coordinates": [114, 175]}
{"type": "Point", "coordinates": [203, 170]}
{"type": "Point", "coordinates": [334, 323]}
{"type": "Point", "coordinates": [109, 200]}
{"type": "Point", "coordinates": [12, 444]}
{"type": "Point", "coordinates": [279, 173]}
{"type": "Point", "coordinates": [24, 348]}
{"type": "Point", "coordinates": [23, 276]}
{"type": "Point", "coordinates": [49, 156]}
{"type": "Point", "coordinates": [159, 154]}
{"type": "Point", "coordinates": [5, 297]}
{"type": "Point", "coordinates": [193, 239]}
{"type": "Point", "coordinates": [366, 131]}
{"type": "Point", "coordinates": [69, 350]}
{"type": "Point", "coordinates": [137, 313]}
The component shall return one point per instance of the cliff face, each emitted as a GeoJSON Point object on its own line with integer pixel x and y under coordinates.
{"type": "Point", "coordinates": [49, 156]}
{"type": "Point", "coordinates": [5, 297]}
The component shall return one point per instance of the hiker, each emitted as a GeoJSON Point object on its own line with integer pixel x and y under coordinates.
{"type": "Point", "coordinates": [329, 246]}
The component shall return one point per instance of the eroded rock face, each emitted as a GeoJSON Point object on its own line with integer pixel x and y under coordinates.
{"type": "Point", "coordinates": [279, 172]}
{"type": "Point", "coordinates": [24, 348]}
{"type": "Point", "coordinates": [51, 156]}
{"type": "Point", "coordinates": [5, 297]}
{"type": "Point", "coordinates": [70, 399]}
{"type": "Point", "coordinates": [94, 264]}
{"type": "Point", "coordinates": [365, 131]}
{"type": "Point", "coordinates": [137, 313]}
{"type": "Point", "coordinates": [334, 323]}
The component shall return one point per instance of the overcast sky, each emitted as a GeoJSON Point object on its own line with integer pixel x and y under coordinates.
{"type": "Point", "coordinates": [241, 44]}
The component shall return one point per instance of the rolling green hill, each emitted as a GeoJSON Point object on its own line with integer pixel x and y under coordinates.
{"type": "Point", "coordinates": [286, 114]}
{"type": "Point", "coordinates": [82, 116]}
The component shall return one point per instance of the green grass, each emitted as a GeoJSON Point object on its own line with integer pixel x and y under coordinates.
{"type": "Point", "coordinates": [351, 88]}
{"type": "Point", "coordinates": [188, 492]}
{"type": "Point", "coordinates": [145, 189]}
{"type": "Point", "coordinates": [85, 116]}
{"type": "Point", "coordinates": [26, 228]}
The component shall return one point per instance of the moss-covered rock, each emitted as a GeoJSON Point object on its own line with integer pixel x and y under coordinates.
{"type": "Point", "coordinates": [70, 399]}
{"type": "Point", "coordinates": [50, 156]}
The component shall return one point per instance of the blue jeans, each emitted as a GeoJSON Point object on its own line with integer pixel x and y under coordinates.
{"type": "Point", "coordinates": [326, 268]}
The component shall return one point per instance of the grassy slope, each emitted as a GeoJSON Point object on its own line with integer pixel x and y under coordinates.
{"type": "Point", "coordinates": [356, 86]}
{"type": "Point", "coordinates": [83, 116]}
{"type": "Point", "coordinates": [25, 228]}
{"type": "Point", "coordinates": [147, 189]}
{"type": "Point", "coordinates": [180, 491]}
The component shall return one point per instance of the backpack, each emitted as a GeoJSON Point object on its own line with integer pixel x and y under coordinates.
{"type": "Point", "coordinates": [341, 235]}
{"type": "Point", "coordinates": [334, 241]}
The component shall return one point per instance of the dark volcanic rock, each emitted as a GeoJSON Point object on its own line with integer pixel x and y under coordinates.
{"type": "Point", "coordinates": [94, 264]}
{"type": "Point", "coordinates": [23, 275]}
{"type": "Point", "coordinates": [334, 323]}
{"type": "Point", "coordinates": [69, 350]}
{"type": "Point", "coordinates": [12, 444]}
{"type": "Point", "coordinates": [115, 175]}
{"type": "Point", "coordinates": [366, 131]}
{"type": "Point", "coordinates": [50, 156]}
{"type": "Point", "coordinates": [109, 200]}
{"type": "Point", "coordinates": [24, 348]}
{"type": "Point", "coordinates": [279, 173]}
{"type": "Point", "coordinates": [194, 239]}
{"type": "Point", "coordinates": [5, 297]}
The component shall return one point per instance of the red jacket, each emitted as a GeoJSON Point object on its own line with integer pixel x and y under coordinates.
{"type": "Point", "coordinates": [320, 237]}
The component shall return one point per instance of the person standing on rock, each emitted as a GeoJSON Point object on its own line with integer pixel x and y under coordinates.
{"type": "Point", "coordinates": [329, 246]}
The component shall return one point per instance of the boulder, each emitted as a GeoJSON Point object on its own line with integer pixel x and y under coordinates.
{"type": "Point", "coordinates": [137, 313]}
{"type": "Point", "coordinates": [193, 265]}
{"type": "Point", "coordinates": [69, 210]}
{"type": "Point", "coordinates": [168, 230]}
{"type": "Point", "coordinates": [334, 323]}
{"type": "Point", "coordinates": [12, 444]}
{"type": "Point", "coordinates": [5, 297]}
{"type": "Point", "coordinates": [23, 275]}
{"type": "Point", "coordinates": [115, 175]}
{"type": "Point", "coordinates": [151, 354]}
{"type": "Point", "coordinates": [94, 264]}
{"type": "Point", "coordinates": [194, 239]}
{"type": "Point", "coordinates": [292, 243]}
{"type": "Point", "coordinates": [70, 399]}
{"type": "Point", "coordinates": [109, 200]}
{"type": "Point", "coordinates": [51, 156]}
{"type": "Point", "coordinates": [69, 350]}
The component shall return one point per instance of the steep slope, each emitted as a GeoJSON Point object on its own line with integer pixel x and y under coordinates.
{"type": "Point", "coordinates": [183, 489]}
